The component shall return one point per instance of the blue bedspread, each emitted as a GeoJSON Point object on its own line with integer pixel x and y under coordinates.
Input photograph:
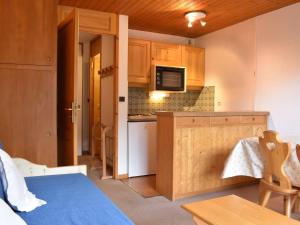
{"type": "Point", "coordinates": [71, 200]}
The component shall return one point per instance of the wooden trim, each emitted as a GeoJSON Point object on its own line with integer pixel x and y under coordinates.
{"type": "Point", "coordinates": [122, 176]}
{"type": "Point", "coordinates": [116, 109]}
{"type": "Point", "coordinates": [224, 188]}
{"type": "Point", "coordinates": [91, 103]}
{"type": "Point", "coordinates": [27, 67]}
{"type": "Point", "coordinates": [75, 82]}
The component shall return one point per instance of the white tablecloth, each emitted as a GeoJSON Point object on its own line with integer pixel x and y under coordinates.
{"type": "Point", "coordinates": [246, 160]}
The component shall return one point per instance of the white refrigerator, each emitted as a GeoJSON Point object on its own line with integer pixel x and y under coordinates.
{"type": "Point", "coordinates": [141, 148]}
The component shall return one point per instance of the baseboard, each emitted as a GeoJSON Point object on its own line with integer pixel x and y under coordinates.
{"type": "Point", "coordinates": [122, 176]}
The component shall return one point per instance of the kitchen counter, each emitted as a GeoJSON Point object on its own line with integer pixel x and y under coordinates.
{"type": "Point", "coordinates": [192, 148]}
{"type": "Point", "coordinates": [210, 114]}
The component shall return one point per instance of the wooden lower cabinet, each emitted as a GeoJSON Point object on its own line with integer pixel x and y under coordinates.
{"type": "Point", "coordinates": [198, 153]}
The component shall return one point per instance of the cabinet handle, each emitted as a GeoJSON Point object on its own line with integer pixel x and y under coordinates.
{"type": "Point", "coordinates": [193, 120]}
{"type": "Point", "coordinates": [253, 119]}
{"type": "Point", "coordinates": [226, 119]}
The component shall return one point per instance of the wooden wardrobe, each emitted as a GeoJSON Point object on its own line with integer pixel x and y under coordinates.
{"type": "Point", "coordinates": [28, 79]}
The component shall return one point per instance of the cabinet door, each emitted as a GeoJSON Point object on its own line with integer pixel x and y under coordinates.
{"type": "Point", "coordinates": [28, 114]}
{"type": "Point", "coordinates": [166, 54]}
{"type": "Point", "coordinates": [138, 62]}
{"type": "Point", "coordinates": [97, 22]}
{"type": "Point", "coordinates": [193, 60]}
{"type": "Point", "coordinates": [26, 26]}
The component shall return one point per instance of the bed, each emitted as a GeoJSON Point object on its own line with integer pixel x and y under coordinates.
{"type": "Point", "coordinates": [72, 199]}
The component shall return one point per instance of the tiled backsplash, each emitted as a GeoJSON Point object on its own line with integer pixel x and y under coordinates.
{"type": "Point", "coordinates": [141, 103]}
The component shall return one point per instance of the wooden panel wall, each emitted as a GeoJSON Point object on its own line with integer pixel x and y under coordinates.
{"type": "Point", "coordinates": [191, 152]}
{"type": "Point", "coordinates": [28, 79]}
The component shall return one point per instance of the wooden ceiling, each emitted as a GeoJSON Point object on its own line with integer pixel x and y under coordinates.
{"type": "Point", "coordinates": [167, 16]}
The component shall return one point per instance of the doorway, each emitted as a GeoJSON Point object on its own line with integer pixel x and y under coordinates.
{"type": "Point", "coordinates": [96, 64]}
{"type": "Point", "coordinates": [86, 66]}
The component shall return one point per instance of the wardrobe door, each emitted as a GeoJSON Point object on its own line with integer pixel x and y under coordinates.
{"type": "Point", "coordinates": [28, 32]}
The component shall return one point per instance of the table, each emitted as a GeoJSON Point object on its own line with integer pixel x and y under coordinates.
{"type": "Point", "coordinates": [233, 210]}
{"type": "Point", "coordinates": [247, 160]}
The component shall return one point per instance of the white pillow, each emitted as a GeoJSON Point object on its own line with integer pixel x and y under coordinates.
{"type": "Point", "coordinates": [8, 216]}
{"type": "Point", "coordinates": [15, 188]}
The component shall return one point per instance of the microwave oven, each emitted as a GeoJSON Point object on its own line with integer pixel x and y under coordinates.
{"type": "Point", "coordinates": [168, 78]}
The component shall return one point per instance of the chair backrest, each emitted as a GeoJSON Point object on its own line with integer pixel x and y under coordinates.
{"type": "Point", "coordinates": [298, 151]}
{"type": "Point", "coordinates": [275, 155]}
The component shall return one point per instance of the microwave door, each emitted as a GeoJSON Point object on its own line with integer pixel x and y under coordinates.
{"type": "Point", "coordinates": [171, 80]}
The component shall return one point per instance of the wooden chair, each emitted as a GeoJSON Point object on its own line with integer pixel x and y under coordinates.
{"type": "Point", "coordinates": [298, 151]}
{"type": "Point", "coordinates": [275, 180]}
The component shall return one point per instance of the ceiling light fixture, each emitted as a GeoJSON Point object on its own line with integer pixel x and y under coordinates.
{"type": "Point", "coordinates": [202, 22]}
{"type": "Point", "coordinates": [194, 16]}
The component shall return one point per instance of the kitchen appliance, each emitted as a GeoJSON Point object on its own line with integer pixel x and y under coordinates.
{"type": "Point", "coordinates": [168, 78]}
{"type": "Point", "coordinates": [141, 148]}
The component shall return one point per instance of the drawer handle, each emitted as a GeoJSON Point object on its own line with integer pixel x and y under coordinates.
{"type": "Point", "coordinates": [253, 119]}
{"type": "Point", "coordinates": [193, 120]}
{"type": "Point", "coordinates": [226, 119]}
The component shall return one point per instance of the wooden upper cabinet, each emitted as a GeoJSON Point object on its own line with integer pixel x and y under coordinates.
{"type": "Point", "coordinates": [97, 22]}
{"type": "Point", "coordinates": [140, 59]}
{"type": "Point", "coordinates": [138, 62]}
{"type": "Point", "coordinates": [91, 21]}
{"type": "Point", "coordinates": [193, 60]}
{"type": "Point", "coordinates": [25, 26]}
{"type": "Point", "coordinates": [166, 54]}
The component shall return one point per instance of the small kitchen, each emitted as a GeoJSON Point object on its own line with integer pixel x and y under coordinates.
{"type": "Point", "coordinates": [171, 90]}
{"type": "Point", "coordinates": [173, 131]}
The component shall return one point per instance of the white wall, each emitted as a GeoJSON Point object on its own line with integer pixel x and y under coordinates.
{"type": "Point", "coordinates": [270, 45]}
{"type": "Point", "coordinates": [230, 65]}
{"type": "Point", "coordinates": [278, 68]}
{"type": "Point", "coordinates": [123, 91]}
{"type": "Point", "coordinates": [159, 37]}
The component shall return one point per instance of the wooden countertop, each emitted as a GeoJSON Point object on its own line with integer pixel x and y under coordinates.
{"type": "Point", "coordinates": [141, 118]}
{"type": "Point", "coordinates": [211, 114]}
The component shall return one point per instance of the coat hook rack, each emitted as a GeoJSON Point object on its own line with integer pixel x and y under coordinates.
{"type": "Point", "coordinates": [107, 71]}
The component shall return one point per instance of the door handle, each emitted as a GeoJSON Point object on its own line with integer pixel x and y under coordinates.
{"type": "Point", "coordinates": [75, 107]}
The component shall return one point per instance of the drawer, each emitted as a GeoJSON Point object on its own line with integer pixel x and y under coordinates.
{"type": "Point", "coordinates": [253, 119]}
{"type": "Point", "coordinates": [225, 120]}
{"type": "Point", "coordinates": [192, 121]}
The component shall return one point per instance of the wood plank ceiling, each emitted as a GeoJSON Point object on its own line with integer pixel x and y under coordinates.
{"type": "Point", "coordinates": [167, 16]}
